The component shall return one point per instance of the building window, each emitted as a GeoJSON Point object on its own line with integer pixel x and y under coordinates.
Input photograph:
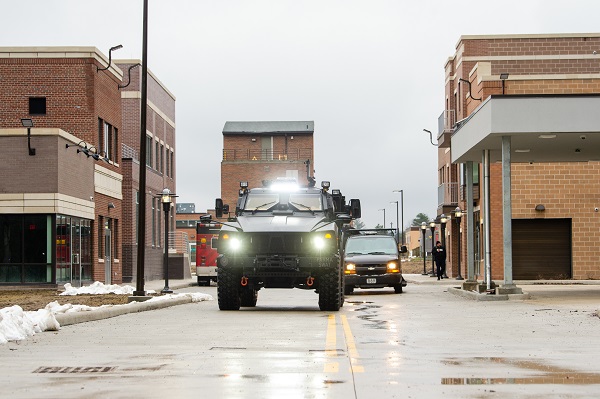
{"type": "Point", "coordinates": [149, 151]}
{"type": "Point", "coordinates": [158, 205]}
{"type": "Point", "coordinates": [172, 164]}
{"type": "Point", "coordinates": [162, 159]}
{"type": "Point", "coordinates": [167, 161]}
{"type": "Point", "coordinates": [37, 105]}
{"type": "Point", "coordinates": [100, 237]}
{"type": "Point", "coordinates": [157, 163]}
{"type": "Point", "coordinates": [153, 224]}
{"type": "Point", "coordinates": [116, 239]}
{"type": "Point", "coordinates": [115, 151]}
{"type": "Point", "coordinates": [100, 133]}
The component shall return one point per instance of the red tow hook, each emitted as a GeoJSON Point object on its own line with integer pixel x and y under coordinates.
{"type": "Point", "coordinates": [310, 281]}
{"type": "Point", "coordinates": [244, 281]}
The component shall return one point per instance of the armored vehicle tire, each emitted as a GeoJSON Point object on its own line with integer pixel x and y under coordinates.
{"type": "Point", "coordinates": [398, 288]}
{"type": "Point", "coordinates": [348, 290]}
{"type": "Point", "coordinates": [228, 293]}
{"type": "Point", "coordinates": [248, 297]}
{"type": "Point", "coordinates": [330, 292]}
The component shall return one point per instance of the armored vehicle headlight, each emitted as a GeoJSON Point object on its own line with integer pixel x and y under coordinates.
{"type": "Point", "coordinates": [393, 267]}
{"type": "Point", "coordinates": [350, 268]}
{"type": "Point", "coordinates": [319, 242]}
{"type": "Point", "coordinates": [235, 243]}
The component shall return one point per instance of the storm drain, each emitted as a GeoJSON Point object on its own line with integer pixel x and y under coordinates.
{"type": "Point", "coordinates": [73, 370]}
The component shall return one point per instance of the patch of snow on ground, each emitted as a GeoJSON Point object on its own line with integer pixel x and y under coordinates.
{"type": "Point", "coordinates": [17, 324]}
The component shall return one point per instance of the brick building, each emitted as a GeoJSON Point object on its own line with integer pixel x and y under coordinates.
{"type": "Point", "coordinates": [518, 147]}
{"type": "Point", "coordinates": [258, 151]}
{"type": "Point", "coordinates": [160, 168]}
{"type": "Point", "coordinates": [64, 213]}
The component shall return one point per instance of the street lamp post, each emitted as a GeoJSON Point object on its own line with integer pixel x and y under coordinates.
{"type": "Point", "coordinates": [423, 251]}
{"type": "Point", "coordinates": [432, 226]}
{"type": "Point", "coordinates": [397, 225]}
{"type": "Point", "coordinates": [443, 221]}
{"type": "Point", "coordinates": [383, 217]}
{"type": "Point", "coordinates": [167, 199]}
{"type": "Point", "coordinates": [401, 226]}
{"type": "Point", "coordinates": [458, 215]}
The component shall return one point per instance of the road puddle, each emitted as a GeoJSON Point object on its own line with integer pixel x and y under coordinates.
{"type": "Point", "coordinates": [546, 374]}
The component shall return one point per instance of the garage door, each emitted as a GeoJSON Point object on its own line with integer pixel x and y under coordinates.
{"type": "Point", "coordinates": [541, 249]}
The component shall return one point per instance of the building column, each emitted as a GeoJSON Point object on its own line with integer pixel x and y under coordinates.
{"type": "Point", "coordinates": [487, 218]}
{"type": "Point", "coordinates": [508, 287]}
{"type": "Point", "coordinates": [470, 223]}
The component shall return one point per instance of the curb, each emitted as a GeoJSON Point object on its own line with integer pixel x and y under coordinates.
{"type": "Point", "coordinates": [485, 297]}
{"type": "Point", "coordinates": [65, 319]}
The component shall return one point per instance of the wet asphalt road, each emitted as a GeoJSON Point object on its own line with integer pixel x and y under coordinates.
{"type": "Point", "coordinates": [424, 343]}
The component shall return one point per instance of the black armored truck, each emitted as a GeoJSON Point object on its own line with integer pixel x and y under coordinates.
{"type": "Point", "coordinates": [283, 236]}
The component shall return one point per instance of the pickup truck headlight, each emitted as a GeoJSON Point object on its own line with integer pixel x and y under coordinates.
{"type": "Point", "coordinates": [392, 267]}
{"type": "Point", "coordinates": [350, 268]}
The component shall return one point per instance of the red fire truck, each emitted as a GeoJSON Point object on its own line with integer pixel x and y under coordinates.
{"type": "Point", "coordinates": [206, 256]}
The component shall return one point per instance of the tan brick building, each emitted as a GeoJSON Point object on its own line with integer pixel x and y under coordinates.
{"type": "Point", "coordinates": [258, 151]}
{"type": "Point", "coordinates": [67, 205]}
{"type": "Point", "coordinates": [528, 99]}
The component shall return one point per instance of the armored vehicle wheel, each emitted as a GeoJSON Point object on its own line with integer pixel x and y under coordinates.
{"type": "Point", "coordinates": [342, 287]}
{"type": "Point", "coordinates": [330, 291]}
{"type": "Point", "coordinates": [248, 297]}
{"type": "Point", "coordinates": [228, 293]}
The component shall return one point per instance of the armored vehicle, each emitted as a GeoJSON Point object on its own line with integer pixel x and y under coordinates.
{"type": "Point", "coordinates": [283, 236]}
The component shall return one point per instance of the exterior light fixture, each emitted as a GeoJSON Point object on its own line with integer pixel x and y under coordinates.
{"type": "Point", "coordinates": [430, 136]}
{"type": "Point", "coordinates": [28, 123]}
{"type": "Point", "coordinates": [547, 136]}
{"type": "Point", "coordinates": [109, 57]}
{"type": "Point", "coordinates": [469, 83]}
{"type": "Point", "coordinates": [129, 75]}
{"type": "Point", "coordinates": [540, 208]}
{"type": "Point", "coordinates": [383, 209]}
{"type": "Point", "coordinates": [503, 77]}
{"type": "Point", "coordinates": [432, 227]}
{"type": "Point", "coordinates": [166, 198]}
{"type": "Point", "coordinates": [111, 205]}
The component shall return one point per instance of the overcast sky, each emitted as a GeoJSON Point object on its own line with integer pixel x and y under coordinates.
{"type": "Point", "coordinates": [369, 73]}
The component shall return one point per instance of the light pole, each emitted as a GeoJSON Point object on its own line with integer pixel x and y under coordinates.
{"type": "Point", "coordinates": [167, 199]}
{"type": "Point", "coordinates": [383, 217]}
{"type": "Point", "coordinates": [397, 225]}
{"type": "Point", "coordinates": [458, 215]}
{"type": "Point", "coordinates": [401, 226]}
{"type": "Point", "coordinates": [432, 226]}
{"type": "Point", "coordinates": [443, 221]}
{"type": "Point", "coordinates": [423, 251]}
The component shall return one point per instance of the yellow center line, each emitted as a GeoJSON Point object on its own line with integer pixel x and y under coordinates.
{"type": "Point", "coordinates": [330, 349]}
{"type": "Point", "coordinates": [352, 351]}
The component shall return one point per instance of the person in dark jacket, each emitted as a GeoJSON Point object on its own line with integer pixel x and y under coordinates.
{"type": "Point", "coordinates": [439, 256]}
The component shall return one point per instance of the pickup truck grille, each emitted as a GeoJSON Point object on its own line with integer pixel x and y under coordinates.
{"type": "Point", "coordinates": [371, 270]}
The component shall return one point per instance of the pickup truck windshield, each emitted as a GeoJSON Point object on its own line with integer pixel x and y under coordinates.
{"type": "Point", "coordinates": [375, 245]}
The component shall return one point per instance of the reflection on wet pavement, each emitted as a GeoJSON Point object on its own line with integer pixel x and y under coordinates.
{"type": "Point", "coordinates": [550, 374]}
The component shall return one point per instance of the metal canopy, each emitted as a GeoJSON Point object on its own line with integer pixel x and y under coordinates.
{"type": "Point", "coordinates": [531, 122]}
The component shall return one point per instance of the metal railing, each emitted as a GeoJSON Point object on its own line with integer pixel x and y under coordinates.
{"type": "Point", "coordinates": [446, 122]}
{"type": "Point", "coordinates": [246, 154]}
{"type": "Point", "coordinates": [448, 194]}
{"type": "Point", "coordinates": [178, 242]}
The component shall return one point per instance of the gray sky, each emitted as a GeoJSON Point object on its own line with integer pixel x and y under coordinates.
{"type": "Point", "coordinates": [369, 73]}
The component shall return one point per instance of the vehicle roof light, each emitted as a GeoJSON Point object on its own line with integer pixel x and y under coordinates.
{"type": "Point", "coordinates": [325, 184]}
{"type": "Point", "coordinates": [244, 184]}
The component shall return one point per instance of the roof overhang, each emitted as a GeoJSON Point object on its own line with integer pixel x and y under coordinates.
{"type": "Point", "coordinates": [542, 129]}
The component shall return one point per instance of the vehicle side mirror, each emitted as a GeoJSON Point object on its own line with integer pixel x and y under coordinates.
{"type": "Point", "coordinates": [219, 208]}
{"type": "Point", "coordinates": [355, 208]}
{"type": "Point", "coordinates": [403, 249]}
